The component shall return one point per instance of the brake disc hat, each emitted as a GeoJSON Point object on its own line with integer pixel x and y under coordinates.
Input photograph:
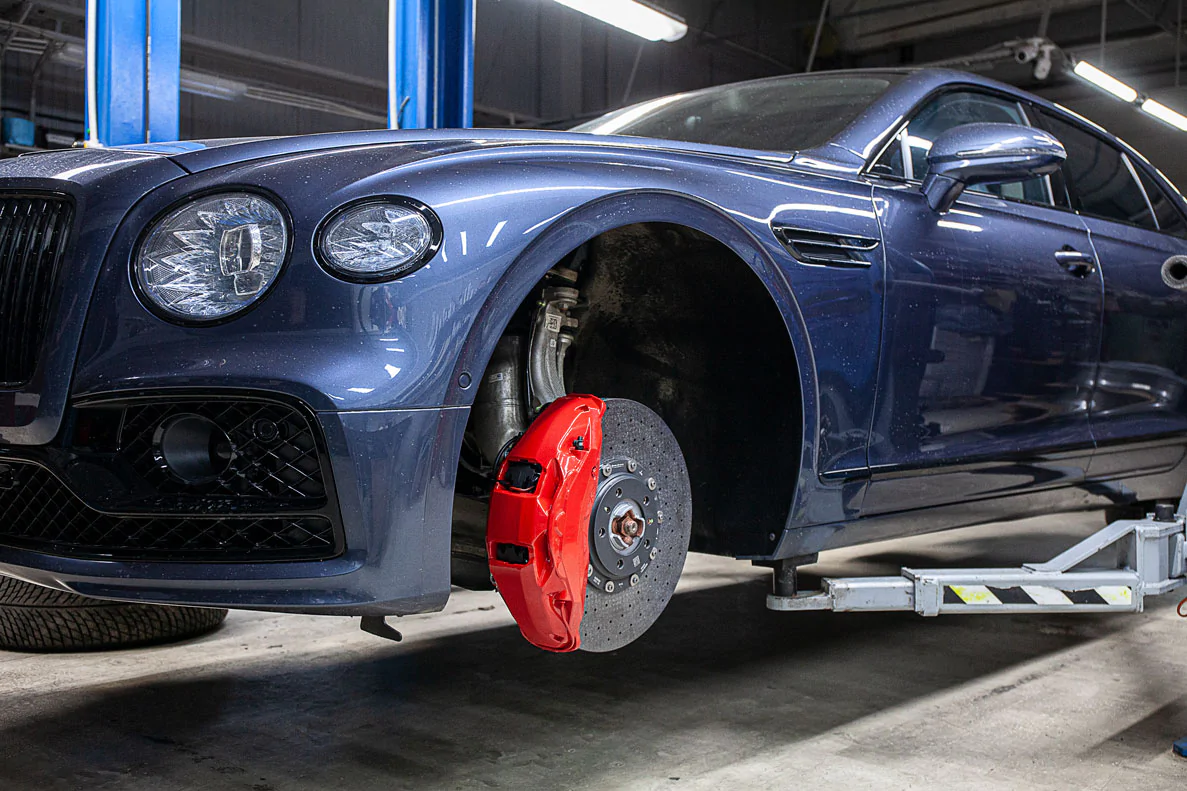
{"type": "Point", "coordinates": [639, 528]}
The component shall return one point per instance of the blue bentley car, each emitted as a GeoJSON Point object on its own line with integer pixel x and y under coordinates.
{"type": "Point", "coordinates": [340, 373]}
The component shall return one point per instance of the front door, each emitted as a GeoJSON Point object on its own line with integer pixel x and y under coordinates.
{"type": "Point", "coordinates": [991, 334]}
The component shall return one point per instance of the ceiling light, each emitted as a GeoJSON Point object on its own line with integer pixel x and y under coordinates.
{"type": "Point", "coordinates": [632, 16]}
{"type": "Point", "coordinates": [1107, 82]}
{"type": "Point", "coordinates": [1164, 113]}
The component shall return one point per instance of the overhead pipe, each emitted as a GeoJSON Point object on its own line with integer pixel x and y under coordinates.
{"type": "Point", "coordinates": [816, 37]}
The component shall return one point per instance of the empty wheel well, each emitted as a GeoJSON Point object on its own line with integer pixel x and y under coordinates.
{"type": "Point", "coordinates": [669, 317]}
{"type": "Point", "coordinates": [677, 321]}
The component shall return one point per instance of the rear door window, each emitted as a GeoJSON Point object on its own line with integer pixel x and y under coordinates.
{"type": "Point", "coordinates": [1165, 205]}
{"type": "Point", "coordinates": [1100, 178]}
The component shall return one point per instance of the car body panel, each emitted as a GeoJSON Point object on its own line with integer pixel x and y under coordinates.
{"type": "Point", "coordinates": [395, 489]}
{"type": "Point", "coordinates": [967, 375]}
{"type": "Point", "coordinates": [1143, 359]}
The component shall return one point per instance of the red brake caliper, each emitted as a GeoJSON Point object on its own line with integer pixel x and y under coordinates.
{"type": "Point", "coordinates": [537, 533]}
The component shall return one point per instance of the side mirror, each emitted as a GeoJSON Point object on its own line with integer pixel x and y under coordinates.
{"type": "Point", "coordinates": [973, 154]}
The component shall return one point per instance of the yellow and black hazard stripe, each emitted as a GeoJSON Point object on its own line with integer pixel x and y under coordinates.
{"type": "Point", "coordinates": [1037, 596]}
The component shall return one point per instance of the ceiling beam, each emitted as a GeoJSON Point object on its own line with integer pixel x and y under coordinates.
{"type": "Point", "coordinates": [896, 24]}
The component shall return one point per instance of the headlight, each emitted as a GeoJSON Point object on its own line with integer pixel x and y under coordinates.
{"type": "Point", "coordinates": [379, 239]}
{"type": "Point", "coordinates": [212, 257]}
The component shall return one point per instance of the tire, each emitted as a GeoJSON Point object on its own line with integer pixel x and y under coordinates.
{"type": "Point", "coordinates": [33, 618]}
{"type": "Point", "coordinates": [633, 434]}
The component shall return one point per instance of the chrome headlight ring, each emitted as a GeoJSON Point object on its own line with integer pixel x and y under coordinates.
{"type": "Point", "coordinates": [377, 239]}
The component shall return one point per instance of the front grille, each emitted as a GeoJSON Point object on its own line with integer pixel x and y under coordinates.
{"type": "Point", "coordinates": [275, 450]}
{"type": "Point", "coordinates": [38, 512]}
{"type": "Point", "coordinates": [34, 230]}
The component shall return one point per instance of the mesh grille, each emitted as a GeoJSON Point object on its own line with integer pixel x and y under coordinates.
{"type": "Point", "coordinates": [33, 235]}
{"type": "Point", "coordinates": [38, 512]}
{"type": "Point", "coordinates": [275, 455]}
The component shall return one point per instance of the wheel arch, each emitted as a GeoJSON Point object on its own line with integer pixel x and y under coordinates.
{"type": "Point", "coordinates": [620, 211]}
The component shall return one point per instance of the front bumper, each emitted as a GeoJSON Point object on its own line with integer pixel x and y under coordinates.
{"type": "Point", "coordinates": [394, 474]}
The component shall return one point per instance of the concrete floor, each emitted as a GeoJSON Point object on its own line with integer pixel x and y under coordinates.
{"type": "Point", "coordinates": [720, 694]}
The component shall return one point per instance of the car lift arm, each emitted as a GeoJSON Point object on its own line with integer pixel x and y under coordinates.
{"type": "Point", "coordinates": [1112, 570]}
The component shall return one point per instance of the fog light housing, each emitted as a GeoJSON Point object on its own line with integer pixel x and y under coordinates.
{"type": "Point", "coordinates": [194, 449]}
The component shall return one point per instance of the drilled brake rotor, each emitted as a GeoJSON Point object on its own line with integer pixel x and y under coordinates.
{"type": "Point", "coordinates": [639, 527]}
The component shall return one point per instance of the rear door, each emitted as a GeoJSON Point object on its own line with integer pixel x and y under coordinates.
{"type": "Point", "coordinates": [1139, 406]}
{"type": "Point", "coordinates": [991, 339]}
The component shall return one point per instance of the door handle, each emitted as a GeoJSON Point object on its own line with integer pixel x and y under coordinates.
{"type": "Point", "coordinates": [1076, 263]}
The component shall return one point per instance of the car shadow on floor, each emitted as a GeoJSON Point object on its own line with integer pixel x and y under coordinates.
{"type": "Point", "coordinates": [717, 680]}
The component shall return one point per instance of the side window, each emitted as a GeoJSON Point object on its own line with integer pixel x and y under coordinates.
{"type": "Point", "coordinates": [1166, 211]}
{"type": "Point", "coordinates": [906, 157]}
{"type": "Point", "coordinates": [1099, 177]}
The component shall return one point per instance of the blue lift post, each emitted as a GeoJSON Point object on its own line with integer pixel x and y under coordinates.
{"type": "Point", "coordinates": [133, 71]}
{"type": "Point", "coordinates": [430, 64]}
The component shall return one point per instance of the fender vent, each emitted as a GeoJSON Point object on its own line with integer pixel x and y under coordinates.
{"type": "Point", "coordinates": [827, 249]}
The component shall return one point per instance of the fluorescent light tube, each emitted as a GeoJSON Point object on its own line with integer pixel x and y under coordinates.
{"type": "Point", "coordinates": [633, 17]}
{"type": "Point", "coordinates": [1107, 82]}
{"type": "Point", "coordinates": [1164, 113]}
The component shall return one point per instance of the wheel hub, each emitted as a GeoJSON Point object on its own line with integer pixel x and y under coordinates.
{"type": "Point", "coordinates": [627, 524]}
{"type": "Point", "coordinates": [624, 526]}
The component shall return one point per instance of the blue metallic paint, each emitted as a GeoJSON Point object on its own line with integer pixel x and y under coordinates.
{"type": "Point", "coordinates": [383, 364]}
{"type": "Point", "coordinates": [966, 373]}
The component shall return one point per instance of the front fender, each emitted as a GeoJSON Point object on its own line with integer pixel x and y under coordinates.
{"type": "Point", "coordinates": [508, 217]}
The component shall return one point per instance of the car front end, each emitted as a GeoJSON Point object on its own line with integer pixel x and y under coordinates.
{"type": "Point", "coordinates": [197, 407]}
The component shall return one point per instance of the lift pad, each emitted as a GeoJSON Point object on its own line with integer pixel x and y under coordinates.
{"type": "Point", "coordinates": [1111, 571]}
{"type": "Point", "coordinates": [537, 534]}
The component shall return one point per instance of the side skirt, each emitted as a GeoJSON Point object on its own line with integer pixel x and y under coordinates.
{"type": "Point", "coordinates": [1085, 496]}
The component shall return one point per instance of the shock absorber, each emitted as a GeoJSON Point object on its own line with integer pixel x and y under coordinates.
{"type": "Point", "coordinates": [552, 335]}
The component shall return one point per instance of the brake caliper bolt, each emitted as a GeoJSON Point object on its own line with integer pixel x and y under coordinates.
{"type": "Point", "coordinates": [634, 580]}
{"type": "Point", "coordinates": [651, 484]}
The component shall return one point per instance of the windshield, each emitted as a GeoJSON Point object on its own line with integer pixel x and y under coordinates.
{"type": "Point", "coordinates": [785, 114]}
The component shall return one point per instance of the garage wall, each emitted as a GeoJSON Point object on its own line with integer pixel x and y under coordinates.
{"type": "Point", "coordinates": [347, 37]}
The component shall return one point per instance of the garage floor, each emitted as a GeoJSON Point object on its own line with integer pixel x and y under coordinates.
{"type": "Point", "coordinates": [721, 694]}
